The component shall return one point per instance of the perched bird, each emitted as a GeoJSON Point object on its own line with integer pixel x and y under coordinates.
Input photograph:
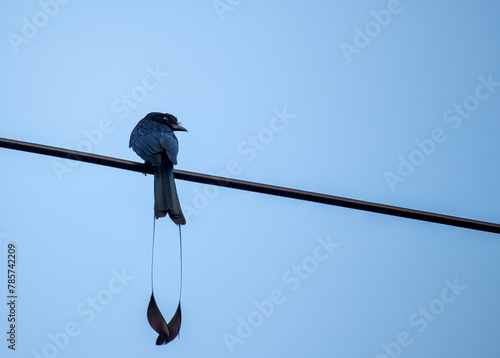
{"type": "Point", "coordinates": [153, 139]}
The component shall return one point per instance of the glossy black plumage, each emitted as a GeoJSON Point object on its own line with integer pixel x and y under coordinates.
{"type": "Point", "coordinates": [153, 139]}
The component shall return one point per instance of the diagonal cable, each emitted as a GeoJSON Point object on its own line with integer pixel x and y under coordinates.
{"type": "Point", "coordinates": [256, 187]}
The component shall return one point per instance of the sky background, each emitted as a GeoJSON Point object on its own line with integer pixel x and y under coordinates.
{"type": "Point", "coordinates": [395, 102]}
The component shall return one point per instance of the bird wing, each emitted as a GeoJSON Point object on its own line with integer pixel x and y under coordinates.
{"type": "Point", "coordinates": [150, 139]}
{"type": "Point", "coordinates": [170, 145]}
{"type": "Point", "coordinates": [148, 147]}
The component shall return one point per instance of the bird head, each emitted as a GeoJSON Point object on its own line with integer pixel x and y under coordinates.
{"type": "Point", "coordinates": [168, 119]}
{"type": "Point", "coordinates": [171, 121]}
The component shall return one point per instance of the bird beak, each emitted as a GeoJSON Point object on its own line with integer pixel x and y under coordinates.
{"type": "Point", "coordinates": [175, 127]}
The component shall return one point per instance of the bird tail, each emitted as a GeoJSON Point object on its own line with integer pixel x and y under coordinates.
{"type": "Point", "coordinates": [166, 331]}
{"type": "Point", "coordinates": [166, 199]}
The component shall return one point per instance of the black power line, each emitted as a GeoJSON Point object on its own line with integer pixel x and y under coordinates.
{"type": "Point", "coordinates": [256, 187]}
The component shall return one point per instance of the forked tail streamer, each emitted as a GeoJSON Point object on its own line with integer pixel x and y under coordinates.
{"type": "Point", "coordinates": [166, 331]}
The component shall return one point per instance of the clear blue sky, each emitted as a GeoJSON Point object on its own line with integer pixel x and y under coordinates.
{"type": "Point", "coordinates": [394, 102]}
